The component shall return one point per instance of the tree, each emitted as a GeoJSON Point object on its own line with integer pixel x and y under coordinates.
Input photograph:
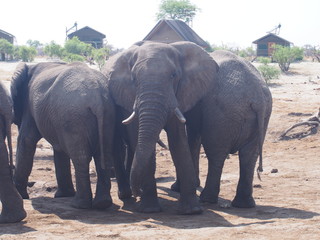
{"type": "Point", "coordinates": [54, 50]}
{"type": "Point", "coordinates": [26, 54]}
{"type": "Point", "coordinates": [6, 48]}
{"type": "Point", "coordinates": [177, 9]}
{"type": "Point", "coordinates": [34, 43]}
{"type": "Point", "coordinates": [100, 56]}
{"type": "Point", "coordinates": [284, 56]}
{"type": "Point", "coordinates": [312, 52]}
{"type": "Point", "coordinates": [75, 47]}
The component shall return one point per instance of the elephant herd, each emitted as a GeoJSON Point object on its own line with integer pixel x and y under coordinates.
{"type": "Point", "coordinates": [115, 116]}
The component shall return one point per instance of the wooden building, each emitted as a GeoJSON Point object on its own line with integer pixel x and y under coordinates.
{"type": "Point", "coordinates": [89, 35]}
{"type": "Point", "coordinates": [168, 31]}
{"type": "Point", "coordinates": [7, 36]}
{"type": "Point", "coordinates": [266, 44]}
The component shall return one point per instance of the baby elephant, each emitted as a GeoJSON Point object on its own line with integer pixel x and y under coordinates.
{"type": "Point", "coordinates": [12, 203]}
{"type": "Point", "coordinates": [69, 106]}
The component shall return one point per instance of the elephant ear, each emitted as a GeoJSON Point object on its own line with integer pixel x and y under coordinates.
{"type": "Point", "coordinates": [118, 72]}
{"type": "Point", "coordinates": [19, 91]}
{"type": "Point", "coordinates": [199, 74]}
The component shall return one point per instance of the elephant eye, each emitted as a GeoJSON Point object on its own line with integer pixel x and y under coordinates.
{"type": "Point", "coordinates": [173, 75]}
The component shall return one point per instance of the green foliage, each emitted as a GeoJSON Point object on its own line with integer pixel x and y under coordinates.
{"type": "Point", "coordinates": [75, 46]}
{"type": "Point", "coordinates": [26, 54]}
{"type": "Point", "coordinates": [75, 50]}
{"type": "Point", "coordinates": [100, 56]}
{"type": "Point", "coordinates": [34, 43]}
{"type": "Point", "coordinates": [268, 72]}
{"type": "Point", "coordinates": [6, 47]}
{"type": "Point", "coordinates": [54, 50]}
{"type": "Point", "coordinates": [264, 60]}
{"type": "Point", "coordinates": [209, 48]}
{"type": "Point", "coordinates": [284, 56]}
{"type": "Point", "coordinates": [71, 57]}
{"type": "Point", "coordinates": [177, 9]}
{"type": "Point", "coordinates": [246, 53]}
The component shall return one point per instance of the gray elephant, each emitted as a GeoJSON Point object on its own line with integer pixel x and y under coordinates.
{"type": "Point", "coordinates": [232, 118]}
{"type": "Point", "coordinates": [69, 106]}
{"type": "Point", "coordinates": [158, 82]}
{"type": "Point", "coordinates": [12, 203]}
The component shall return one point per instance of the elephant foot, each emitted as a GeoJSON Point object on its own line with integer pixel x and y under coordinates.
{"type": "Point", "coordinates": [81, 203]}
{"type": "Point", "coordinates": [102, 202]}
{"type": "Point", "coordinates": [125, 193]}
{"type": "Point", "coordinates": [175, 186]}
{"type": "Point", "coordinates": [208, 197]}
{"type": "Point", "coordinates": [22, 189]}
{"type": "Point", "coordinates": [64, 193]}
{"type": "Point", "coordinates": [13, 216]}
{"type": "Point", "coordinates": [243, 202]}
{"type": "Point", "coordinates": [190, 206]}
{"type": "Point", "coordinates": [149, 206]}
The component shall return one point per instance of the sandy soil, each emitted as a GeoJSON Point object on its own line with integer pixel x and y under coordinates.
{"type": "Point", "coordinates": [288, 197]}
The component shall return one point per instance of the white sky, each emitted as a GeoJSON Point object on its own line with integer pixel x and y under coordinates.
{"type": "Point", "coordinates": [231, 22]}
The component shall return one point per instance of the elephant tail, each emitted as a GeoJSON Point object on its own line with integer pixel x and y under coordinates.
{"type": "Point", "coordinates": [106, 126]}
{"type": "Point", "coordinates": [8, 133]}
{"type": "Point", "coordinates": [19, 88]}
{"type": "Point", "coordinates": [263, 115]}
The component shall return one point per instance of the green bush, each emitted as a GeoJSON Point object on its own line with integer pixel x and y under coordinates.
{"type": "Point", "coordinates": [54, 50]}
{"type": "Point", "coordinates": [100, 56]}
{"type": "Point", "coordinates": [269, 72]}
{"type": "Point", "coordinates": [75, 46]}
{"type": "Point", "coordinates": [264, 60]}
{"type": "Point", "coordinates": [284, 56]}
{"type": "Point", "coordinates": [26, 54]}
{"type": "Point", "coordinates": [70, 57]}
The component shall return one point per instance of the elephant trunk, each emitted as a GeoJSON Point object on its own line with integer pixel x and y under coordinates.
{"type": "Point", "coordinates": [153, 110]}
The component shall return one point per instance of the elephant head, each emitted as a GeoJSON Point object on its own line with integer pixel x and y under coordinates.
{"type": "Point", "coordinates": [156, 81]}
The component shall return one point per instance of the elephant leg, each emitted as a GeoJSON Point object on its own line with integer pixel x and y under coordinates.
{"type": "Point", "coordinates": [216, 160]}
{"type": "Point", "coordinates": [63, 175]}
{"type": "Point", "coordinates": [102, 199]}
{"type": "Point", "coordinates": [193, 126]}
{"type": "Point", "coordinates": [194, 140]}
{"type": "Point", "coordinates": [12, 203]}
{"type": "Point", "coordinates": [247, 156]}
{"type": "Point", "coordinates": [149, 202]}
{"type": "Point", "coordinates": [26, 147]}
{"type": "Point", "coordinates": [120, 152]}
{"type": "Point", "coordinates": [179, 148]}
{"type": "Point", "coordinates": [83, 197]}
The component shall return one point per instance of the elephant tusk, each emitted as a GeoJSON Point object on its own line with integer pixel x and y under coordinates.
{"type": "Point", "coordinates": [179, 115]}
{"type": "Point", "coordinates": [130, 118]}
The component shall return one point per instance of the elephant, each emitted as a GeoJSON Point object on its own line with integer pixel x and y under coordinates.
{"type": "Point", "coordinates": [68, 105]}
{"type": "Point", "coordinates": [12, 203]}
{"type": "Point", "coordinates": [233, 117]}
{"type": "Point", "coordinates": [157, 83]}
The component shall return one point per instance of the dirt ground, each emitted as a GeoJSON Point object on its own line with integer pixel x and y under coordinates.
{"type": "Point", "coordinates": [288, 197]}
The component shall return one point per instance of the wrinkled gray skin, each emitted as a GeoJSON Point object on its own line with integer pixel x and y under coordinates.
{"type": "Point", "coordinates": [12, 203]}
{"type": "Point", "coordinates": [69, 106]}
{"type": "Point", "coordinates": [233, 117]}
{"type": "Point", "coordinates": [155, 80]}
